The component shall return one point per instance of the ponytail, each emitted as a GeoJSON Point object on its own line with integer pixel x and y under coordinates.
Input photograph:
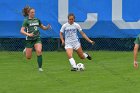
{"type": "Point", "coordinates": [26, 10]}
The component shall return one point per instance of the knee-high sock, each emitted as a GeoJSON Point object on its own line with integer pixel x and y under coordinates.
{"type": "Point", "coordinates": [85, 55]}
{"type": "Point", "coordinates": [72, 62]}
{"type": "Point", "coordinates": [39, 60]}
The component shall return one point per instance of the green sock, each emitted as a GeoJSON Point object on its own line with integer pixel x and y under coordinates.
{"type": "Point", "coordinates": [39, 60]}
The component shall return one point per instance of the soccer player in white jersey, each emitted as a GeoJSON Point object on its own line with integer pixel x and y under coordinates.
{"type": "Point", "coordinates": [72, 41]}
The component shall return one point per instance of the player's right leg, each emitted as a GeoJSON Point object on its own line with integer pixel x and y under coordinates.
{"type": "Point", "coordinates": [28, 53]}
{"type": "Point", "coordinates": [69, 52]}
{"type": "Point", "coordinates": [28, 49]}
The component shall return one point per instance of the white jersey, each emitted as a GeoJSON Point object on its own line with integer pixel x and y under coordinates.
{"type": "Point", "coordinates": [71, 32]}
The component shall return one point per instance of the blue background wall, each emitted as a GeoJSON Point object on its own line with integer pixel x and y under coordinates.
{"type": "Point", "coordinates": [47, 11]}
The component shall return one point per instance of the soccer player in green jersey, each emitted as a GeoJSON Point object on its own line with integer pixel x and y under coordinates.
{"type": "Point", "coordinates": [136, 48]}
{"type": "Point", "coordinates": [30, 30]}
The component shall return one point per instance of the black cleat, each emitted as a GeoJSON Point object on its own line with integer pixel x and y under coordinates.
{"type": "Point", "coordinates": [89, 57]}
{"type": "Point", "coordinates": [74, 69]}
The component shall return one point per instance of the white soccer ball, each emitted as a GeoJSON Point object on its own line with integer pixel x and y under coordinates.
{"type": "Point", "coordinates": [80, 67]}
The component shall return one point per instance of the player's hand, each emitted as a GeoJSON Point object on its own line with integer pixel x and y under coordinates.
{"type": "Point", "coordinates": [136, 64]}
{"type": "Point", "coordinates": [30, 34]}
{"type": "Point", "coordinates": [92, 42]}
{"type": "Point", "coordinates": [63, 43]}
{"type": "Point", "coordinates": [49, 26]}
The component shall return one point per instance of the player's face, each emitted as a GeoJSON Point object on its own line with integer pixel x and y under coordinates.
{"type": "Point", "coordinates": [32, 13]}
{"type": "Point", "coordinates": [71, 19]}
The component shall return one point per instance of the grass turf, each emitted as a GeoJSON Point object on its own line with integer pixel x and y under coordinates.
{"type": "Point", "coordinates": [108, 72]}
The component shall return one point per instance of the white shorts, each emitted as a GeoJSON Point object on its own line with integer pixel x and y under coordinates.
{"type": "Point", "coordinates": [73, 45]}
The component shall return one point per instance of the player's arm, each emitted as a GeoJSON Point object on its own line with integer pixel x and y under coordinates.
{"type": "Point", "coordinates": [61, 34]}
{"type": "Point", "coordinates": [136, 47]}
{"type": "Point", "coordinates": [25, 33]}
{"type": "Point", "coordinates": [45, 27]}
{"type": "Point", "coordinates": [85, 36]}
{"type": "Point", "coordinates": [24, 25]}
{"type": "Point", "coordinates": [62, 38]}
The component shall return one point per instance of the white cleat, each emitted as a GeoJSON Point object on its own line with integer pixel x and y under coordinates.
{"type": "Point", "coordinates": [24, 51]}
{"type": "Point", "coordinates": [40, 69]}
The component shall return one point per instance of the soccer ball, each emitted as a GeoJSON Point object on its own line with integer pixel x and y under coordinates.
{"type": "Point", "coordinates": [80, 67]}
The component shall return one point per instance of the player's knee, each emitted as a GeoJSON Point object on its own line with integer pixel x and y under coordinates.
{"type": "Point", "coordinates": [39, 52]}
{"type": "Point", "coordinates": [28, 58]}
{"type": "Point", "coordinates": [82, 57]}
{"type": "Point", "coordinates": [69, 57]}
{"type": "Point", "coordinates": [135, 48]}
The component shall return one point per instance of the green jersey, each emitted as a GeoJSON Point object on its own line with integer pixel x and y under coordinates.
{"type": "Point", "coordinates": [31, 26]}
{"type": "Point", "coordinates": [137, 41]}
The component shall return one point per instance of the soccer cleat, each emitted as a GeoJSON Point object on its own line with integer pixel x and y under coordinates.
{"type": "Point", "coordinates": [74, 69]}
{"type": "Point", "coordinates": [89, 57]}
{"type": "Point", "coordinates": [40, 69]}
{"type": "Point", "coordinates": [24, 51]}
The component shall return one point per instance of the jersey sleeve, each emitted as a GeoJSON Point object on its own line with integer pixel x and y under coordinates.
{"type": "Point", "coordinates": [25, 24]}
{"type": "Point", "coordinates": [62, 29]}
{"type": "Point", "coordinates": [39, 22]}
{"type": "Point", "coordinates": [137, 40]}
{"type": "Point", "coordinates": [78, 27]}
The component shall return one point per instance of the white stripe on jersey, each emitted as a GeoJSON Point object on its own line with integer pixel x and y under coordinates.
{"type": "Point", "coordinates": [27, 32]}
{"type": "Point", "coordinates": [70, 32]}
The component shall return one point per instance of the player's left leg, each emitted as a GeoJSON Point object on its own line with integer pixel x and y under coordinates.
{"type": "Point", "coordinates": [81, 54]}
{"type": "Point", "coordinates": [38, 49]}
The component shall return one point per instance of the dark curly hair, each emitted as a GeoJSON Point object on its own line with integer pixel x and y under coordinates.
{"type": "Point", "coordinates": [71, 14]}
{"type": "Point", "coordinates": [26, 10]}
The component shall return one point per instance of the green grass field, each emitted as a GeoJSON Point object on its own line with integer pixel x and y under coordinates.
{"type": "Point", "coordinates": [109, 72]}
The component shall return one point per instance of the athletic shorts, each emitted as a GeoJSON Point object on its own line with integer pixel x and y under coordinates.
{"type": "Point", "coordinates": [31, 43]}
{"type": "Point", "coordinates": [73, 45]}
{"type": "Point", "coordinates": [137, 41]}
